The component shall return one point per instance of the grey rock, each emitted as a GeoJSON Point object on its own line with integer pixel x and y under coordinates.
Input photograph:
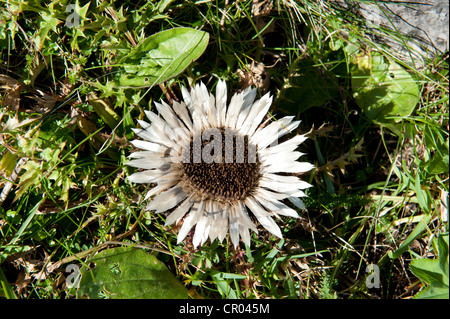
{"type": "Point", "coordinates": [422, 24]}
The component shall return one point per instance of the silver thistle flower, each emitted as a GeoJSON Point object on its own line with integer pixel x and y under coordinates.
{"type": "Point", "coordinates": [215, 164]}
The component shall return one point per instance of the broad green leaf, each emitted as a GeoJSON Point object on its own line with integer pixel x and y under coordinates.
{"type": "Point", "coordinates": [383, 89]}
{"type": "Point", "coordinates": [162, 56]}
{"type": "Point", "coordinates": [434, 272]}
{"type": "Point", "coordinates": [428, 270]}
{"type": "Point", "coordinates": [130, 273]}
{"type": "Point", "coordinates": [437, 291]}
{"type": "Point", "coordinates": [438, 164]}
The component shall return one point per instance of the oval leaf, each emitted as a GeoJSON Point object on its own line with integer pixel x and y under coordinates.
{"type": "Point", "coordinates": [162, 56]}
{"type": "Point", "coordinates": [382, 88]}
{"type": "Point", "coordinates": [126, 272]}
{"type": "Point", "coordinates": [428, 270]}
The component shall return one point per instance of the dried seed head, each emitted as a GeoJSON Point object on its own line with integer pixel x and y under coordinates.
{"type": "Point", "coordinates": [221, 165]}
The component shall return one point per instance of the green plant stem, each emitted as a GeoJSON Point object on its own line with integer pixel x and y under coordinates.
{"type": "Point", "coordinates": [9, 292]}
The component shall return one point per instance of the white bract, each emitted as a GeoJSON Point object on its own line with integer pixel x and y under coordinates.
{"type": "Point", "coordinates": [217, 167]}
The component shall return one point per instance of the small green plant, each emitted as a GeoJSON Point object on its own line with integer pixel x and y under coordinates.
{"type": "Point", "coordinates": [434, 272]}
{"type": "Point", "coordinates": [127, 272]}
{"type": "Point", "coordinates": [162, 56]}
{"type": "Point", "coordinates": [384, 90]}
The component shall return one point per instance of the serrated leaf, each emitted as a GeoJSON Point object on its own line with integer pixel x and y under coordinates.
{"type": "Point", "coordinates": [308, 86]}
{"type": "Point", "coordinates": [382, 88]}
{"type": "Point", "coordinates": [47, 23]}
{"type": "Point", "coordinates": [51, 154]}
{"type": "Point", "coordinates": [130, 273]}
{"type": "Point", "coordinates": [29, 178]}
{"type": "Point", "coordinates": [162, 56]}
{"type": "Point", "coordinates": [29, 143]}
